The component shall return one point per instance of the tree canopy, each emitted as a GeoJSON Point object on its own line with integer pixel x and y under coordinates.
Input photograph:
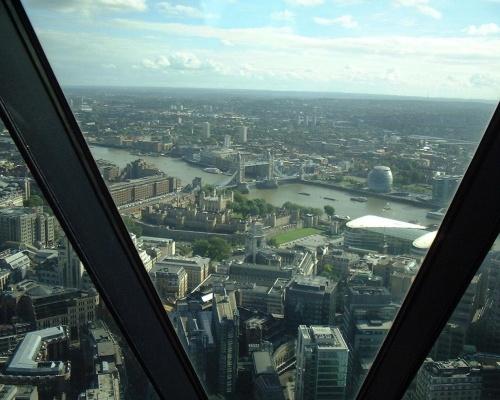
{"type": "Point", "coordinates": [216, 249]}
{"type": "Point", "coordinates": [329, 210]}
{"type": "Point", "coordinates": [132, 227]}
{"type": "Point", "coordinates": [303, 210]}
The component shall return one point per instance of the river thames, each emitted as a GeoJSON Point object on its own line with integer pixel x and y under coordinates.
{"type": "Point", "coordinates": [286, 192]}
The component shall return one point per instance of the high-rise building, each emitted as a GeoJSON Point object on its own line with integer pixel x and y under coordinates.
{"type": "Point", "coordinates": [206, 130]}
{"type": "Point", "coordinates": [321, 363]}
{"type": "Point", "coordinates": [70, 267]}
{"type": "Point", "coordinates": [444, 187]}
{"type": "Point", "coordinates": [451, 380]}
{"type": "Point", "coordinates": [368, 316]}
{"type": "Point", "coordinates": [227, 141]}
{"type": "Point", "coordinates": [242, 134]}
{"type": "Point", "coordinates": [309, 300]}
{"type": "Point", "coordinates": [26, 225]}
{"type": "Point", "coordinates": [226, 321]}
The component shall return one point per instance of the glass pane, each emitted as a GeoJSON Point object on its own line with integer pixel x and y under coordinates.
{"type": "Point", "coordinates": [466, 357]}
{"type": "Point", "coordinates": [57, 338]}
{"type": "Point", "coordinates": [283, 167]}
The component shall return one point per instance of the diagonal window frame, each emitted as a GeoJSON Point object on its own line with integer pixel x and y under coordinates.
{"type": "Point", "coordinates": [34, 109]}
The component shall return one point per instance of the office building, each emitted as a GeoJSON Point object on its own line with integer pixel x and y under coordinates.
{"type": "Point", "coordinates": [170, 280]}
{"type": "Point", "coordinates": [196, 333]}
{"type": "Point", "coordinates": [196, 268]}
{"type": "Point", "coordinates": [48, 306]}
{"type": "Point", "coordinates": [266, 381]}
{"type": "Point", "coordinates": [321, 369]}
{"type": "Point", "coordinates": [41, 359]}
{"type": "Point", "coordinates": [70, 267]}
{"type": "Point", "coordinates": [205, 130]}
{"type": "Point", "coordinates": [444, 187]}
{"type": "Point", "coordinates": [26, 225]}
{"type": "Point", "coordinates": [309, 300]}
{"type": "Point", "coordinates": [226, 321]}
{"type": "Point", "coordinates": [104, 362]}
{"type": "Point", "coordinates": [16, 263]}
{"type": "Point", "coordinates": [450, 380]}
{"type": "Point", "coordinates": [368, 316]}
{"type": "Point", "coordinates": [227, 141]}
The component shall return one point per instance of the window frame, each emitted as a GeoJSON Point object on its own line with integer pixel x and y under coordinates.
{"type": "Point", "coordinates": [34, 109]}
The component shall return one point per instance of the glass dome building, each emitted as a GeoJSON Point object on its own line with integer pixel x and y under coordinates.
{"type": "Point", "coordinates": [380, 179]}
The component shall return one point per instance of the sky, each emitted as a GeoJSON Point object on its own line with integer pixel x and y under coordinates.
{"type": "Point", "coordinates": [428, 48]}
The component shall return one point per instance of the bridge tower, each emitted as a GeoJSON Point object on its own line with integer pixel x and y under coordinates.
{"type": "Point", "coordinates": [270, 159]}
{"type": "Point", "coordinates": [240, 175]}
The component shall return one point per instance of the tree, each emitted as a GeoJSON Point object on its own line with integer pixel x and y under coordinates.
{"type": "Point", "coordinates": [218, 249]}
{"type": "Point", "coordinates": [200, 247]}
{"type": "Point", "coordinates": [329, 210]}
{"type": "Point", "coordinates": [328, 273]}
{"type": "Point", "coordinates": [33, 201]}
{"type": "Point", "coordinates": [272, 242]}
{"type": "Point", "coordinates": [132, 227]}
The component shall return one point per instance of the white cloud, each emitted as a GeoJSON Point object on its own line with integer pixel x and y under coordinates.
{"type": "Point", "coordinates": [421, 6]}
{"type": "Point", "coordinates": [285, 15]}
{"type": "Point", "coordinates": [347, 21]}
{"type": "Point", "coordinates": [306, 3]}
{"type": "Point", "coordinates": [88, 7]}
{"type": "Point", "coordinates": [481, 80]}
{"type": "Point", "coordinates": [163, 62]}
{"type": "Point", "coordinates": [482, 30]}
{"type": "Point", "coordinates": [182, 61]}
{"type": "Point", "coordinates": [108, 66]}
{"type": "Point", "coordinates": [146, 63]}
{"type": "Point", "coordinates": [179, 10]}
{"type": "Point", "coordinates": [226, 42]}
{"type": "Point", "coordinates": [392, 75]}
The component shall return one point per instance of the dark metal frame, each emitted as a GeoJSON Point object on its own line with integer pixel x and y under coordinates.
{"type": "Point", "coordinates": [35, 111]}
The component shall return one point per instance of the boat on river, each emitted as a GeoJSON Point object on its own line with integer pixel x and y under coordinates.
{"type": "Point", "coordinates": [360, 199]}
{"type": "Point", "coordinates": [305, 193]}
{"type": "Point", "coordinates": [212, 170]}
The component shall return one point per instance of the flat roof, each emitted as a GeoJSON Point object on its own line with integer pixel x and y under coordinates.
{"type": "Point", "coordinates": [24, 362]}
{"type": "Point", "coordinates": [425, 241]}
{"type": "Point", "coordinates": [262, 363]}
{"type": "Point", "coordinates": [373, 221]}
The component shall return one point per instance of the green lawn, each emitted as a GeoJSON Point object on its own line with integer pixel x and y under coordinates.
{"type": "Point", "coordinates": [300, 233]}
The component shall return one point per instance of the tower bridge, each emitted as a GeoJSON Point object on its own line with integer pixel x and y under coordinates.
{"type": "Point", "coordinates": [265, 172]}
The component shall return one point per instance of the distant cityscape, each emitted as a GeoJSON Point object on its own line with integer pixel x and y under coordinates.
{"type": "Point", "coordinates": [270, 301]}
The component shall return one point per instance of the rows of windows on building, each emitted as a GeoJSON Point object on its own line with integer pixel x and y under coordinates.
{"type": "Point", "coordinates": [287, 322]}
